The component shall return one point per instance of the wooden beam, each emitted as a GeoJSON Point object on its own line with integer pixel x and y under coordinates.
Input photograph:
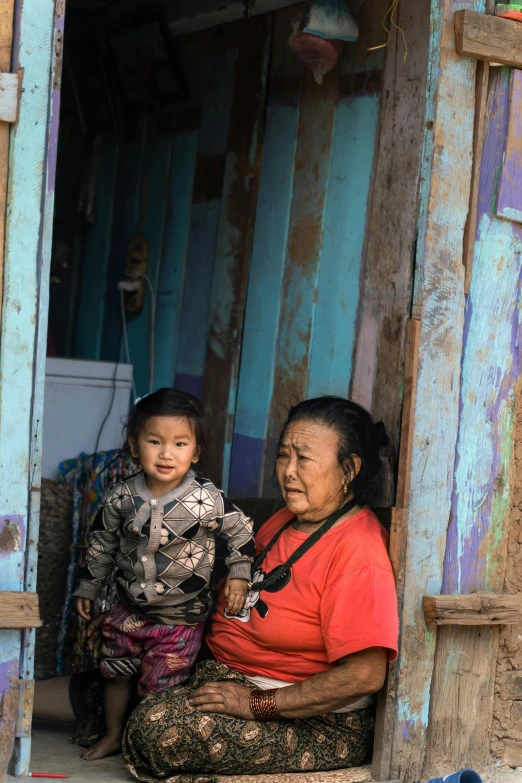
{"type": "Point", "coordinates": [19, 610]}
{"type": "Point", "coordinates": [490, 38]}
{"type": "Point", "coordinates": [470, 228]}
{"type": "Point", "coordinates": [473, 609]}
{"type": "Point", "coordinates": [184, 17]}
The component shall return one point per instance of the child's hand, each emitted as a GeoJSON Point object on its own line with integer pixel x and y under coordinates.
{"type": "Point", "coordinates": [236, 591]}
{"type": "Point", "coordinates": [83, 607]}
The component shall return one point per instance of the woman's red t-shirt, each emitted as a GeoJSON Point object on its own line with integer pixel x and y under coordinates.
{"type": "Point", "coordinates": [338, 599]}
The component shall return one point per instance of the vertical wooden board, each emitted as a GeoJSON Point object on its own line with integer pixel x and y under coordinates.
{"type": "Point", "coordinates": [125, 223]}
{"type": "Point", "coordinates": [386, 280]}
{"type": "Point", "coordinates": [439, 297]}
{"type": "Point", "coordinates": [509, 203]}
{"type": "Point", "coordinates": [299, 294]}
{"type": "Point", "coordinates": [22, 750]}
{"type": "Point", "coordinates": [261, 326]}
{"type": "Point", "coordinates": [206, 209]}
{"type": "Point", "coordinates": [476, 546]}
{"type": "Point", "coordinates": [172, 272]}
{"type": "Point", "coordinates": [91, 310]}
{"type": "Point", "coordinates": [353, 149]}
{"type": "Point", "coordinates": [155, 178]}
{"type": "Point", "coordinates": [234, 244]}
{"type": "Point", "coordinates": [27, 154]}
{"type": "Point", "coordinates": [6, 39]}
{"type": "Point", "coordinates": [478, 143]}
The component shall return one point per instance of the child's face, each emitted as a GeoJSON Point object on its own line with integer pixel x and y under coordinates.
{"type": "Point", "coordinates": [166, 448]}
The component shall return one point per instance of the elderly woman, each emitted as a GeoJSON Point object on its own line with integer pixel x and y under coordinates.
{"type": "Point", "coordinates": [290, 684]}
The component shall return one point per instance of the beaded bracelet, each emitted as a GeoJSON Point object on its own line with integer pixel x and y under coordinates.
{"type": "Point", "coordinates": [263, 704]}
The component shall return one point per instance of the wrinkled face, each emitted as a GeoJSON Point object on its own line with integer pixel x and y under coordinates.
{"type": "Point", "coordinates": [166, 449]}
{"type": "Point", "coordinates": [309, 472]}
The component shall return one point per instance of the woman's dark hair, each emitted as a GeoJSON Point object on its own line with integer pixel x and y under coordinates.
{"type": "Point", "coordinates": [358, 434]}
{"type": "Point", "coordinates": [167, 402]}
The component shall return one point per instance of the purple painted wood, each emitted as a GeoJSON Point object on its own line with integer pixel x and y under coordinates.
{"type": "Point", "coordinates": [492, 331]}
{"type": "Point", "coordinates": [509, 204]}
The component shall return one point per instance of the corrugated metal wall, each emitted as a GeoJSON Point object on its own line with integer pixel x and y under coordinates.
{"type": "Point", "coordinates": [255, 210]}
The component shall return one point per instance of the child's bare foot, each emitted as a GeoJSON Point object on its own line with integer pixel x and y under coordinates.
{"type": "Point", "coordinates": [107, 746]}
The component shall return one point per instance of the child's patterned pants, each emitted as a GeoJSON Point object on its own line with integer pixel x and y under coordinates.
{"type": "Point", "coordinates": [164, 654]}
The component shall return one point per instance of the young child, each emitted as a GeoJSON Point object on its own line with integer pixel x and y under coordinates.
{"type": "Point", "coordinates": [158, 528]}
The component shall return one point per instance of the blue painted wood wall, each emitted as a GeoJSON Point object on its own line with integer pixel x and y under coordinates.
{"type": "Point", "coordinates": [294, 320]}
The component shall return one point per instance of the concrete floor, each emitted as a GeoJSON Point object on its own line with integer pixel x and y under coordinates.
{"type": "Point", "coordinates": [52, 752]}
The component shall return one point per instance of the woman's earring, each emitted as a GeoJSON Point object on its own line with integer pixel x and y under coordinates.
{"type": "Point", "coordinates": [345, 487]}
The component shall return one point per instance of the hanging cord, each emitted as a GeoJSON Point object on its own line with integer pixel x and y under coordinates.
{"type": "Point", "coordinates": [281, 571]}
{"type": "Point", "coordinates": [391, 13]}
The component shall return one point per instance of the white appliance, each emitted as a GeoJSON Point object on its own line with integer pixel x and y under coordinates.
{"type": "Point", "coordinates": [78, 396]}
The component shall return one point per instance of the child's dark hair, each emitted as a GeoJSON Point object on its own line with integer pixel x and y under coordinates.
{"type": "Point", "coordinates": [167, 402]}
{"type": "Point", "coordinates": [358, 434]}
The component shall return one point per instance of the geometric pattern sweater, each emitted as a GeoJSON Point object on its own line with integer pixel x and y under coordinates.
{"type": "Point", "coordinates": [163, 548]}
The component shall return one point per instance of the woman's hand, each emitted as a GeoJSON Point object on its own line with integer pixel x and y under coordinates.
{"type": "Point", "coordinates": [236, 591]}
{"type": "Point", "coordinates": [94, 635]}
{"type": "Point", "coordinates": [226, 698]}
{"type": "Point", "coordinates": [83, 607]}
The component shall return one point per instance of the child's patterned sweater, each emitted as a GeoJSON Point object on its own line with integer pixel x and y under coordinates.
{"type": "Point", "coordinates": [164, 548]}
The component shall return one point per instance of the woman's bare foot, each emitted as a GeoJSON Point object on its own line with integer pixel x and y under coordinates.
{"type": "Point", "coordinates": [107, 746]}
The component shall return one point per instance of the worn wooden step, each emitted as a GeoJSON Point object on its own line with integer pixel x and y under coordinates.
{"type": "Point", "coordinates": [352, 775]}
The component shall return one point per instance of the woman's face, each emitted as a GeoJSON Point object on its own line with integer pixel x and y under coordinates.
{"type": "Point", "coordinates": [309, 472]}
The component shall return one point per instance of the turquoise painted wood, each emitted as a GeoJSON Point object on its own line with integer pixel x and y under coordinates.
{"type": "Point", "coordinates": [234, 243]}
{"type": "Point", "coordinates": [23, 266]}
{"type": "Point", "coordinates": [125, 223]}
{"type": "Point", "coordinates": [482, 490]}
{"type": "Point", "coordinates": [22, 749]}
{"type": "Point", "coordinates": [439, 301]}
{"type": "Point", "coordinates": [172, 272]}
{"type": "Point", "coordinates": [261, 326]}
{"type": "Point", "coordinates": [155, 179]}
{"type": "Point", "coordinates": [206, 210]}
{"type": "Point", "coordinates": [353, 150]}
{"type": "Point", "coordinates": [93, 289]}
{"type": "Point", "coordinates": [312, 168]}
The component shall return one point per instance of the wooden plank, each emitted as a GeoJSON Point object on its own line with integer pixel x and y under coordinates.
{"type": "Point", "coordinates": [411, 368]}
{"type": "Point", "coordinates": [125, 223]}
{"type": "Point", "coordinates": [490, 38]}
{"type": "Point", "coordinates": [28, 146]}
{"type": "Point", "coordinates": [352, 161]}
{"type": "Point", "coordinates": [22, 749]}
{"type": "Point", "coordinates": [172, 271]}
{"type": "Point", "coordinates": [475, 557]}
{"type": "Point", "coordinates": [19, 610]}
{"type": "Point", "coordinates": [305, 237]}
{"type": "Point", "coordinates": [473, 609]}
{"type": "Point", "coordinates": [385, 300]}
{"type": "Point", "coordinates": [183, 16]}
{"type": "Point", "coordinates": [206, 209]}
{"type": "Point", "coordinates": [352, 775]}
{"type": "Point", "coordinates": [91, 306]}
{"type": "Point", "coordinates": [9, 92]}
{"type": "Point", "coordinates": [234, 244]}
{"type": "Point", "coordinates": [154, 183]}
{"type": "Point", "coordinates": [509, 202]}
{"type": "Point", "coordinates": [6, 39]}
{"type": "Point", "coordinates": [261, 326]}
{"type": "Point", "coordinates": [470, 229]}
{"type": "Point", "coordinates": [439, 302]}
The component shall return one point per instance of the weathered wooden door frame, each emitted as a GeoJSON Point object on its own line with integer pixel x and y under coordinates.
{"type": "Point", "coordinates": [37, 51]}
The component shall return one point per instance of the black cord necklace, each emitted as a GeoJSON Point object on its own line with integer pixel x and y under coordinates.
{"type": "Point", "coordinates": [282, 570]}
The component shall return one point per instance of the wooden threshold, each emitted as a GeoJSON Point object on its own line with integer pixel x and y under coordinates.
{"type": "Point", "coordinates": [473, 609]}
